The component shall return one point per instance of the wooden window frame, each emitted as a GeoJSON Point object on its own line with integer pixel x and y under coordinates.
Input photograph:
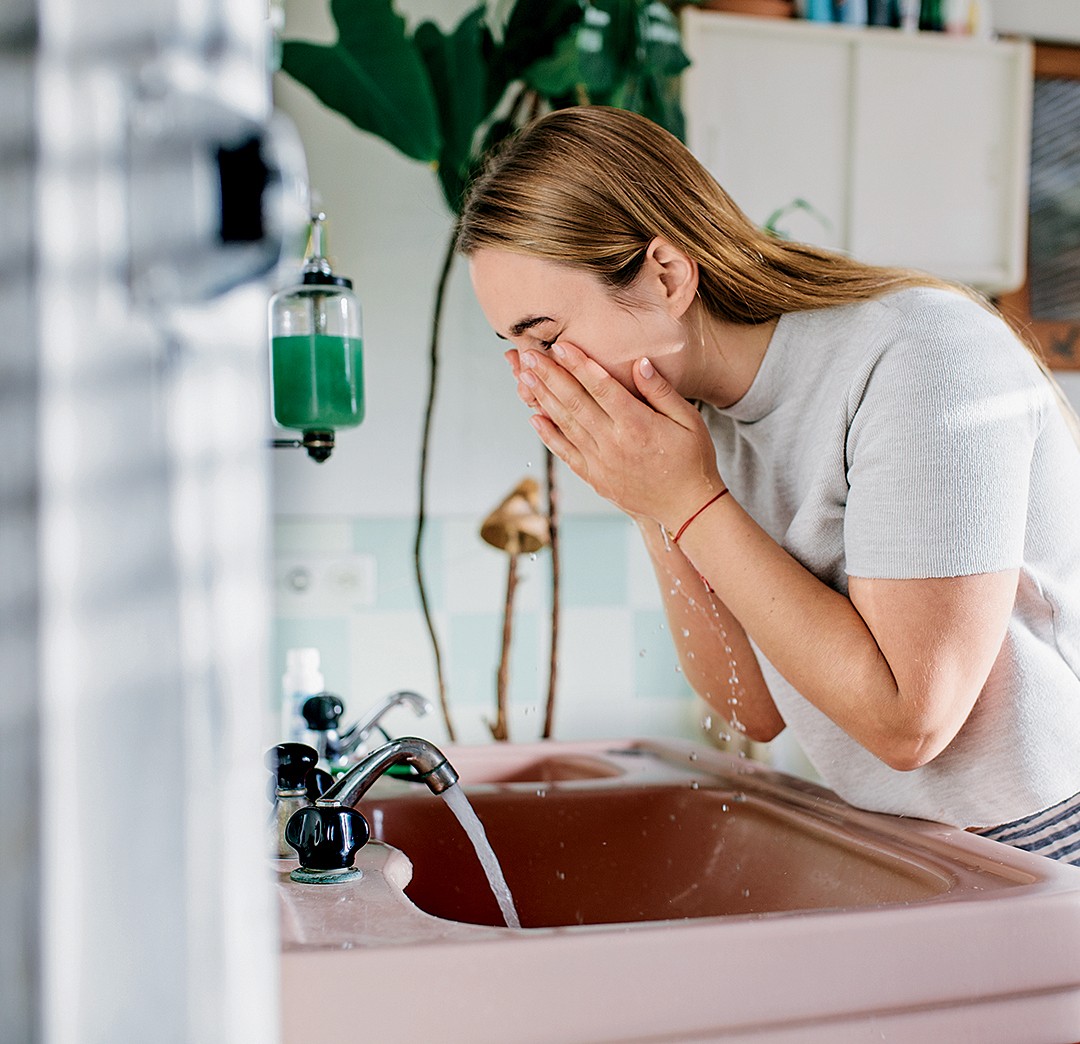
{"type": "Point", "coordinates": [1059, 340]}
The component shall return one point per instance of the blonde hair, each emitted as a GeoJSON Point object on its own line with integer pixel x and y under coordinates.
{"type": "Point", "coordinates": [592, 186]}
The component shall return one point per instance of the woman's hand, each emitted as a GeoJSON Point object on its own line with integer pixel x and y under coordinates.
{"type": "Point", "coordinates": [652, 457]}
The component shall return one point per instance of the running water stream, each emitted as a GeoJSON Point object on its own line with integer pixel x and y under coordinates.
{"type": "Point", "coordinates": [459, 804]}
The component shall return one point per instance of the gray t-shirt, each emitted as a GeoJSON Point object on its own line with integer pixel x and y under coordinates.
{"type": "Point", "coordinates": [913, 436]}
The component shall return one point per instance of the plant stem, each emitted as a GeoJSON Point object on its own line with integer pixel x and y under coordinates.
{"type": "Point", "coordinates": [425, 442]}
{"type": "Point", "coordinates": [500, 730]}
{"type": "Point", "coordinates": [553, 528]}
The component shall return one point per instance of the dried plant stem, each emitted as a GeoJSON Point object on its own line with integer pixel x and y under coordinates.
{"type": "Point", "coordinates": [553, 527]}
{"type": "Point", "coordinates": [421, 516]}
{"type": "Point", "coordinates": [501, 730]}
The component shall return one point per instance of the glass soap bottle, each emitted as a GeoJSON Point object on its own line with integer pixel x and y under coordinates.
{"type": "Point", "coordinates": [316, 350]}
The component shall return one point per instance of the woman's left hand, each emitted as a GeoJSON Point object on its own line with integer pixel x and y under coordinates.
{"type": "Point", "coordinates": [652, 457]}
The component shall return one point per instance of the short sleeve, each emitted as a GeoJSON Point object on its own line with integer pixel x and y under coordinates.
{"type": "Point", "coordinates": [940, 445]}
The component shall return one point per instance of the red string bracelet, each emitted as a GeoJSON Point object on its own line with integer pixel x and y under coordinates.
{"type": "Point", "coordinates": [708, 503]}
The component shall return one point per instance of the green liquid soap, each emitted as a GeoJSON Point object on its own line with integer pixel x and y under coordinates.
{"type": "Point", "coordinates": [318, 381]}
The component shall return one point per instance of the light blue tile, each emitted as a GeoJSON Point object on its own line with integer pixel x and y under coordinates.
{"type": "Point", "coordinates": [391, 541]}
{"type": "Point", "coordinates": [330, 636]}
{"type": "Point", "coordinates": [656, 669]}
{"type": "Point", "coordinates": [475, 641]}
{"type": "Point", "coordinates": [593, 561]}
{"type": "Point", "coordinates": [301, 535]}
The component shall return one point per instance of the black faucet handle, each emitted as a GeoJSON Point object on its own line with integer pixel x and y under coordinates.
{"type": "Point", "coordinates": [318, 782]}
{"type": "Point", "coordinates": [291, 763]}
{"type": "Point", "coordinates": [327, 837]}
{"type": "Point", "coordinates": [323, 712]}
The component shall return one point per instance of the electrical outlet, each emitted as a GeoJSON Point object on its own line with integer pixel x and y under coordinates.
{"type": "Point", "coordinates": [324, 584]}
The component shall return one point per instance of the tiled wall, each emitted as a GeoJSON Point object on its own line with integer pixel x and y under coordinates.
{"type": "Point", "coordinates": [618, 674]}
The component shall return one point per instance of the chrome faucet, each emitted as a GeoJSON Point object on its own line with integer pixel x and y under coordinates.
{"type": "Point", "coordinates": [328, 834]}
{"type": "Point", "coordinates": [323, 715]}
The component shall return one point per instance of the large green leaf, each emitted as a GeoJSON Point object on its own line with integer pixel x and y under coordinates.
{"type": "Point", "coordinates": [534, 31]}
{"type": "Point", "coordinates": [557, 75]}
{"type": "Point", "coordinates": [457, 73]}
{"type": "Point", "coordinates": [625, 53]}
{"type": "Point", "coordinates": [372, 75]}
{"type": "Point", "coordinates": [661, 40]}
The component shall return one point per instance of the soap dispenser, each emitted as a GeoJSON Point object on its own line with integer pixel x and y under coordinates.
{"type": "Point", "coordinates": [316, 349]}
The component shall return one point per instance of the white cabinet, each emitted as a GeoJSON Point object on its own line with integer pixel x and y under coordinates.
{"type": "Point", "coordinates": [910, 148]}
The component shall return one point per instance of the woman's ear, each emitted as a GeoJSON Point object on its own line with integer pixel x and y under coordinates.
{"type": "Point", "coordinates": [674, 274]}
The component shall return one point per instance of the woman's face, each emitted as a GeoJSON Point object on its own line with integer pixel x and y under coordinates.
{"type": "Point", "coordinates": [533, 303]}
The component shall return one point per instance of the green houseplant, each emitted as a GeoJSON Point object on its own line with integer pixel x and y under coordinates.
{"type": "Point", "coordinates": [447, 97]}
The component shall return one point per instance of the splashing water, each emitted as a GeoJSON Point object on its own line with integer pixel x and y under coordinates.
{"type": "Point", "coordinates": [458, 803]}
{"type": "Point", "coordinates": [714, 624]}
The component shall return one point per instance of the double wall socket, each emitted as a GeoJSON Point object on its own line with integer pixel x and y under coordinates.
{"type": "Point", "coordinates": [324, 584]}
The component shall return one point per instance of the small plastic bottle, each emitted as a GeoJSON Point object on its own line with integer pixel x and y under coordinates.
{"type": "Point", "coordinates": [852, 12]}
{"type": "Point", "coordinates": [819, 11]}
{"type": "Point", "coordinates": [302, 678]}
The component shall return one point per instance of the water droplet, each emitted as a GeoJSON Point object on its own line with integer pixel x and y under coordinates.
{"type": "Point", "coordinates": [693, 784]}
{"type": "Point", "coordinates": [693, 755]}
{"type": "Point", "coordinates": [678, 669]}
{"type": "Point", "coordinates": [707, 721]}
{"type": "Point", "coordinates": [641, 652]}
{"type": "Point", "coordinates": [532, 556]}
{"type": "Point", "coordinates": [541, 793]}
{"type": "Point", "coordinates": [723, 808]}
{"type": "Point", "coordinates": [686, 632]}
{"type": "Point", "coordinates": [561, 875]}
{"type": "Point", "coordinates": [746, 893]}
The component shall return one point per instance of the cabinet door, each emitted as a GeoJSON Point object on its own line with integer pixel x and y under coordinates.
{"type": "Point", "coordinates": [940, 131]}
{"type": "Point", "coordinates": [911, 149]}
{"type": "Point", "coordinates": [766, 112]}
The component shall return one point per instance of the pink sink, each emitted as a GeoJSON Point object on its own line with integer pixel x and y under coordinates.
{"type": "Point", "coordinates": [670, 892]}
{"type": "Point", "coordinates": [651, 852]}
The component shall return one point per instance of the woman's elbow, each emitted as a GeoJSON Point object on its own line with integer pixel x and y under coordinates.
{"type": "Point", "coordinates": [763, 732]}
{"type": "Point", "coordinates": [910, 751]}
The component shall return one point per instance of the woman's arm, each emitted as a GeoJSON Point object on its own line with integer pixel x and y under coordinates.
{"type": "Point", "coordinates": [898, 665]}
{"type": "Point", "coordinates": [716, 657]}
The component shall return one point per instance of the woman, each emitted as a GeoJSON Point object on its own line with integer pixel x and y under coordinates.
{"type": "Point", "coordinates": [859, 491]}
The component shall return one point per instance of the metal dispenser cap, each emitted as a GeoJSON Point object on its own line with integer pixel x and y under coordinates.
{"type": "Point", "coordinates": [316, 269]}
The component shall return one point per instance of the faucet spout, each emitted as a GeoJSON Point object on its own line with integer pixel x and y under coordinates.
{"type": "Point", "coordinates": [336, 746]}
{"type": "Point", "coordinates": [429, 762]}
{"type": "Point", "coordinates": [354, 736]}
{"type": "Point", "coordinates": [328, 834]}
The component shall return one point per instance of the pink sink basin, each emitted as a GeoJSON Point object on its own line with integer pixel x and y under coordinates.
{"type": "Point", "coordinates": [651, 852]}
{"type": "Point", "coordinates": [668, 892]}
